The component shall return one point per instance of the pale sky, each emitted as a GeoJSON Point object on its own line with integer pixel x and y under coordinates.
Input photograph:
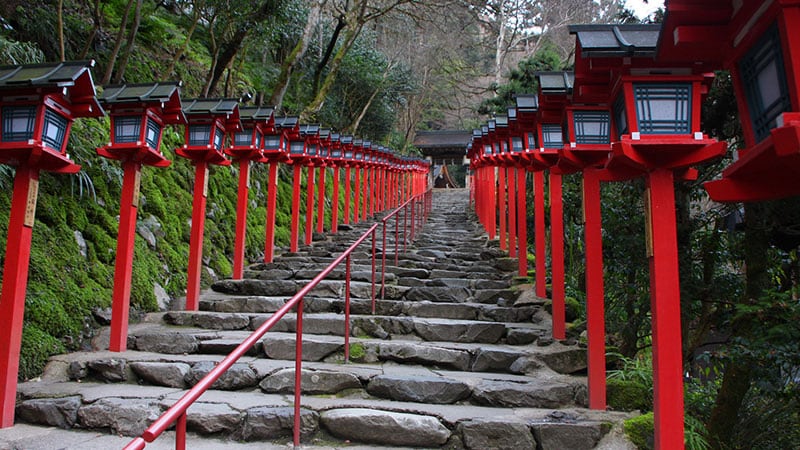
{"type": "Point", "coordinates": [643, 9]}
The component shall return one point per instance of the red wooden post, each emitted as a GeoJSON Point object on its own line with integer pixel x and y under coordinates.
{"type": "Point", "coordinates": [241, 218]}
{"type": "Point", "coordinates": [196, 237]}
{"type": "Point", "coordinates": [347, 194]}
{"type": "Point", "coordinates": [512, 211]}
{"type": "Point", "coordinates": [294, 227]}
{"type": "Point", "coordinates": [272, 200]}
{"type": "Point", "coordinates": [491, 194]}
{"type": "Point", "coordinates": [123, 267]}
{"type": "Point", "coordinates": [321, 200]}
{"type": "Point", "coordinates": [357, 196]}
{"type": "Point", "coordinates": [309, 225]}
{"type": "Point", "coordinates": [335, 201]}
{"type": "Point", "coordinates": [666, 310]}
{"type": "Point", "coordinates": [522, 223]}
{"type": "Point", "coordinates": [365, 184]}
{"type": "Point", "coordinates": [557, 255]}
{"type": "Point", "coordinates": [595, 308]}
{"type": "Point", "coordinates": [538, 216]}
{"type": "Point", "coordinates": [501, 206]}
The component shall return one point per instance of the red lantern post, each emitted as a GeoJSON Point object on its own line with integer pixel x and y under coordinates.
{"type": "Point", "coordinates": [138, 116]}
{"type": "Point", "coordinates": [37, 108]}
{"type": "Point", "coordinates": [310, 133]}
{"type": "Point", "coordinates": [274, 152]}
{"type": "Point", "coordinates": [324, 162]}
{"type": "Point", "coordinates": [347, 161]}
{"type": "Point", "coordinates": [208, 121]}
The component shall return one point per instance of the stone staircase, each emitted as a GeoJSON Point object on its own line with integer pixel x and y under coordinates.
{"type": "Point", "coordinates": [455, 356]}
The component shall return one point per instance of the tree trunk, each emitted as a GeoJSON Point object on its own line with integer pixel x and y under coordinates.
{"type": "Point", "coordinates": [123, 64]}
{"type": "Point", "coordinates": [353, 128]}
{"type": "Point", "coordinates": [319, 99]}
{"type": "Point", "coordinates": [340, 24]}
{"type": "Point", "coordinates": [112, 58]}
{"type": "Point", "coordinates": [96, 19]}
{"type": "Point", "coordinates": [61, 30]}
{"type": "Point", "coordinates": [179, 54]}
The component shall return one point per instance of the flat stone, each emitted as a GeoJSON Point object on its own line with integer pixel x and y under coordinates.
{"type": "Point", "coordinates": [424, 354]}
{"type": "Point", "coordinates": [314, 348]}
{"type": "Point", "coordinates": [223, 346]}
{"type": "Point", "coordinates": [238, 376]}
{"type": "Point", "coordinates": [500, 435]}
{"type": "Point", "coordinates": [313, 382]}
{"type": "Point", "coordinates": [266, 422]}
{"type": "Point", "coordinates": [170, 343]}
{"type": "Point", "coordinates": [275, 274]}
{"type": "Point", "coordinates": [128, 417]}
{"type": "Point", "coordinates": [385, 428]}
{"type": "Point", "coordinates": [571, 436]}
{"type": "Point", "coordinates": [221, 321]}
{"type": "Point", "coordinates": [455, 331]}
{"type": "Point", "coordinates": [210, 418]}
{"type": "Point", "coordinates": [437, 294]}
{"type": "Point", "coordinates": [493, 360]}
{"type": "Point", "coordinates": [458, 311]}
{"type": "Point", "coordinates": [568, 361]}
{"type": "Point", "coordinates": [419, 389]}
{"type": "Point", "coordinates": [170, 374]}
{"type": "Point", "coordinates": [55, 412]}
{"type": "Point", "coordinates": [505, 314]}
{"type": "Point", "coordinates": [269, 288]}
{"type": "Point", "coordinates": [533, 394]}
{"type": "Point", "coordinates": [495, 296]}
{"type": "Point", "coordinates": [112, 370]}
{"type": "Point", "coordinates": [521, 336]}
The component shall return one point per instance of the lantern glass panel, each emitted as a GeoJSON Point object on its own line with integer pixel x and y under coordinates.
{"type": "Point", "coordinates": [336, 153]}
{"type": "Point", "coordinates": [297, 147]}
{"type": "Point", "coordinates": [531, 140]}
{"type": "Point", "coordinates": [516, 144]}
{"type": "Point", "coordinates": [199, 135]}
{"type": "Point", "coordinates": [18, 122]}
{"type": "Point", "coordinates": [487, 149]}
{"type": "Point", "coordinates": [219, 137]}
{"type": "Point", "coordinates": [127, 128]}
{"type": "Point", "coordinates": [764, 80]}
{"type": "Point", "coordinates": [312, 149]}
{"type": "Point", "coordinates": [272, 142]}
{"type": "Point", "coordinates": [348, 154]}
{"type": "Point", "coordinates": [592, 127]}
{"type": "Point", "coordinates": [243, 138]}
{"type": "Point", "coordinates": [153, 133]}
{"type": "Point", "coordinates": [552, 136]}
{"type": "Point", "coordinates": [663, 108]}
{"type": "Point", "coordinates": [55, 129]}
{"type": "Point", "coordinates": [620, 115]}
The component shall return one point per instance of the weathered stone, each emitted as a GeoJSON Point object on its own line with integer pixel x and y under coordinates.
{"type": "Point", "coordinates": [533, 394]}
{"type": "Point", "coordinates": [221, 321]}
{"type": "Point", "coordinates": [112, 370]}
{"type": "Point", "coordinates": [223, 346]}
{"type": "Point", "coordinates": [490, 360]}
{"type": "Point", "coordinates": [450, 282]}
{"type": "Point", "coordinates": [313, 382]}
{"type": "Point", "coordinates": [329, 288]}
{"type": "Point", "coordinates": [452, 331]}
{"type": "Point", "coordinates": [566, 435]}
{"type": "Point", "coordinates": [128, 417]}
{"type": "Point", "coordinates": [437, 294]}
{"type": "Point", "coordinates": [419, 389]}
{"type": "Point", "coordinates": [491, 284]}
{"type": "Point", "coordinates": [170, 343]}
{"type": "Point", "coordinates": [209, 418]}
{"type": "Point", "coordinates": [275, 274]}
{"type": "Point", "coordinates": [268, 288]}
{"type": "Point", "coordinates": [102, 316]}
{"type": "Point", "coordinates": [55, 412]}
{"type": "Point", "coordinates": [82, 247]}
{"type": "Point", "coordinates": [385, 428]}
{"type": "Point", "coordinates": [495, 296]}
{"type": "Point", "coordinates": [77, 370]}
{"type": "Point", "coordinates": [525, 365]}
{"type": "Point", "coordinates": [500, 435]}
{"type": "Point", "coordinates": [266, 422]}
{"type": "Point", "coordinates": [505, 264]}
{"type": "Point", "coordinates": [443, 310]}
{"type": "Point", "coordinates": [521, 336]}
{"type": "Point", "coordinates": [238, 376]}
{"type": "Point", "coordinates": [424, 354]}
{"type": "Point", "coordinates": [277, 347]}
{"type": "Point", "coordinates": [170, 374]}
{"type": "Point", "coordinates": [502, 314]}
{"type": "Point", "coordinates": [162, 297]}
{"type": "Point", "coordinates": [568, 361]}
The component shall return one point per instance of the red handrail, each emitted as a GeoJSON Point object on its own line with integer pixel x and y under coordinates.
{"type": "Point", "coordinates": [177, 412]}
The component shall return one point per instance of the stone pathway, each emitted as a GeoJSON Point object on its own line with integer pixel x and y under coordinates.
{"type": "Point", "coordinates": [456, 356]}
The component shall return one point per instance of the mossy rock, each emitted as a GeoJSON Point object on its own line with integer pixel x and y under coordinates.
{"type": "Point", "coordinates": [626, 395]}
{"type": "Point", "coordinates": [573, 309]}
{"type": "Point", "coordinates": [37, 346]}
{"type": "Point", "coordinates": [640, 431]}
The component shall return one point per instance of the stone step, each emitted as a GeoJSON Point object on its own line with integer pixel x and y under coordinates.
{"type": "Point", "coordinates": [254, 416]}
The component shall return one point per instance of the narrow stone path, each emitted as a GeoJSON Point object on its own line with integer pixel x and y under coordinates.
{"type": "Point", "coordinates": [458, 355]}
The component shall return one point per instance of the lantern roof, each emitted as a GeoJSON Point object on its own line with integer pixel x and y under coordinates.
{"type": "Point", "coordinates": [288, 122]}
{"type": "Point", "coordinates": [256, 113]}
{"type": "Point", "coordinates": [165, 93]}
{"type": "Point", "coordinates": [527, 103]}
{"type": "Point", "coordinates": [614, 40]}
{"type": "Point", "coordinates": [346, 139]}
{"type": "Point", "coordinates": [227, 108]}
{"type": "Point", "coordinates": [555, 82]}
{"type": "Point", "coordinates": [76, 76]}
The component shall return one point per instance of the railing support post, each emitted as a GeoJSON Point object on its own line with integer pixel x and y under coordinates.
{"type": "Point", "coordinates": [298, 370]}
{"type": "Point", "coordinates": [347, 276]}
{"type": "Point", "coordinates": [373, 272]}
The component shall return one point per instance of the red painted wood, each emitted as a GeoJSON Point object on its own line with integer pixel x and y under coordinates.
{"type": "Point", "coordinates": [294, 228]}
{"type": "Point", "coordinates": [373, 191]}
{"type": "Point", "coordinates": [665, 304]}
{"type": "Point", "coordinates": [357, 196]}
{"type": "Point", "coordinates": [538, 218]}
{"type": "Point", "coordinates": [347, 195]}
{"type": "Point", "coordinates": [196, 236]}
{"type": "Point", "coordinates": [321, 200]}
{"type": "Point", "coordinates": [491, 195]}
{"type": "Point", "coordinates": [365, 184]}
{"type": "Point", "coordinates": [595, 308]}
{"type": "Point", "coordinates": [241, 219]}
{"type": "Point", "coordinates": [272, 200]}
{"type": "Point", "coordinates": [15, 281]}
{"type": "Point", "coordinates": [501, 206]}
{"type": "Point", "coordinates": [126, 234]}
{"type": "Point", "coordinates": [512, 211]}
{"type": "Point", "coordinates": [557, 255]}
{"type": "Point", "coordinates": [335, 201]}
{"type": "Point", "coordinates": [309, 225]}
{"type": "Point", "coordinates": [522, 223]}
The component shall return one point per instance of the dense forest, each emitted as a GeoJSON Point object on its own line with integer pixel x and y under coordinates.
{"type": "Point", "coordinates": [384, 69]}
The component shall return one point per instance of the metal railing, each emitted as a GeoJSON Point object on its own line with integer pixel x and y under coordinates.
{"type": "Point", "coordinates": [176, 414]}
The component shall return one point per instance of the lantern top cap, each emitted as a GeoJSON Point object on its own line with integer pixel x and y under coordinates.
{"type": "Point", "coordinates": [214, 106]}
{"type": "Point", "coordinates": [309, 130]}
{"type": "Point", "coordinates": [527, 103]}
{"type": "Point", "coordinates": [346, 139]}
{"type": "Point", "coordinates": [256, 113]}
{"type": "Point", "coordinates": [324, 133]}
{"type": "Point", "coordinates": [500, 121]}
{"type": "Point", "coordinates": [165, 93]}
{"type": "Point", "coordinates": [555, 82]}
{"type": "Point", "coordinates": [288, 122]}
{"type": "Point", "coordinates": [75, 75]}
{"type": "Point", "coordinates": [609, 40]}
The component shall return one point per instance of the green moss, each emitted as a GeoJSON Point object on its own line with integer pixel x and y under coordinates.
{"type": "Point", "coordinates": [357, 351]}
{"type": "Point", "coordinates": [574, 309]}
{"type": "Point", "coordinates": [37, 346]}
{"type": "Point", "coordinates": [640, 431]}
{"type": "Point", "coordinates": [627, 395]}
